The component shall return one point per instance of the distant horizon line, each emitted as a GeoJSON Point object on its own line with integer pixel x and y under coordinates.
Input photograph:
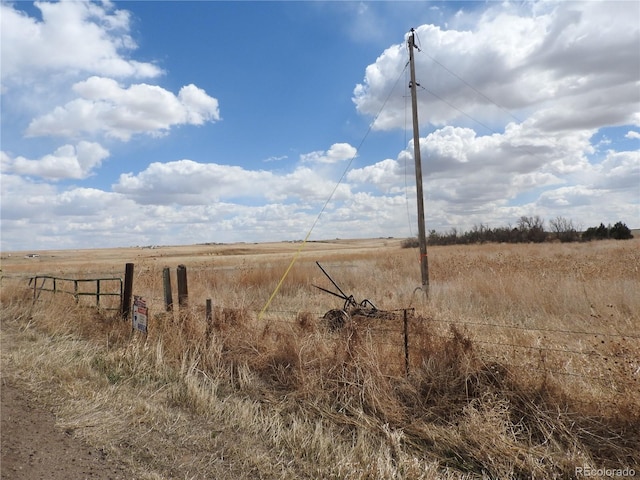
{"type": "Point", "coordinates": [634, 231]}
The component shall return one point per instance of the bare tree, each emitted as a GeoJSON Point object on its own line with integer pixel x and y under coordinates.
{"type": "Point", "coordinates": [532, 229]}
{"type": "Point", "coordinates": [564, 229]}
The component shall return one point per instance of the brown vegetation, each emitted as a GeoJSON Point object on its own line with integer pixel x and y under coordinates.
{"type": "Point", "coordinates": [523, 363]}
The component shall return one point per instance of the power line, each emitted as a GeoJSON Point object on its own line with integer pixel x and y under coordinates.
{"type": "Point", "coordinates": [473, 88]}
{"type": "Point", "coordinates": [458, 109]}
{"type": "Point", "coordinates": [477, 91]}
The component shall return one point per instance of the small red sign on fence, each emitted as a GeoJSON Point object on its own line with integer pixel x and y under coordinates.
{"type": "Point", "coordinates": [140, 313]}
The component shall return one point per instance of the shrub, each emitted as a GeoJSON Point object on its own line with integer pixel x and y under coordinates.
{"type": "Point", "coordinates": [411, 242]}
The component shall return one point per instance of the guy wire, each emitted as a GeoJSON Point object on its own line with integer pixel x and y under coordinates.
{"type": "Point", "coordinates": [344, 173]}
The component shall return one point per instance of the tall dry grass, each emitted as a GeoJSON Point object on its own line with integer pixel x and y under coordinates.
{"type": "Point", "coordinates": [524, 362]}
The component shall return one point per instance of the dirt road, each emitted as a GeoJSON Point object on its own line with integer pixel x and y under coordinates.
{"type": "Point", "coordinates": [33, 448]}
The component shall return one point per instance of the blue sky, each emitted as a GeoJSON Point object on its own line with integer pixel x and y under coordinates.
{"type": "Point", "coordinates": [165, 123]}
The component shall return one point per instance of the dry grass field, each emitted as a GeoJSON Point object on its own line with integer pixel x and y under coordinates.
{"type": "Point", "coordinates": [524, 361]}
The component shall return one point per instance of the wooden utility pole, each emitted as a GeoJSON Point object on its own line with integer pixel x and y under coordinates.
{"type": "Point", "coordinates": [422, 236]}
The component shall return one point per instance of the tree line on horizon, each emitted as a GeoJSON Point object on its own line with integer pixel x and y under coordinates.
{"type": "Point", "coordinates": [526, 230]}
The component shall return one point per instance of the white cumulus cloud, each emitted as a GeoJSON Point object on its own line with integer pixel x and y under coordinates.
{"type": "Point", "coordinates": [633, 134]}
{"type": "Point", "coordinates": [72, 37]}
{"type": "Point", "coordinates": [104, 106]}
{"type": "Point", "coordinates": [576, 63]}
{"type": "Point", "coordinates": [338, 152]}
{"type": "Point", "coordinates": [188, 182]}
{"type": "Point", "coordinates": [67, 161]}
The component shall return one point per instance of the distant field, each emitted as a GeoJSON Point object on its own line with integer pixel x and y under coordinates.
{"type": "Point", "coordinates": [522, 362]}
{"type": "Point", "coordinates": [113, 259]}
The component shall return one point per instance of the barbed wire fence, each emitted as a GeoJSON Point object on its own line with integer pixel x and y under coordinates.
{"type": "Point", "coordinates": [589, 355]}
{"type": "Point", "coordinates": [406, 335]}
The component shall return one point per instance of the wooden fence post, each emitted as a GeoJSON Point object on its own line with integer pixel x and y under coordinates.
{"type": "Point", "coordinates": [125, 308]}
{"type": "Point", "coordinates": [183, 292]}
{"type": "Point", "coordinates": [406, 343]}
{"type": "Point", "coordinates": [209, 318]}
{"type": "Point", "coordinates": [166, 283]}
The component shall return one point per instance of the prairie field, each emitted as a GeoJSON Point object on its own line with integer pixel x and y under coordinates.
{"type": "Point", "coordinates": [523, 361]}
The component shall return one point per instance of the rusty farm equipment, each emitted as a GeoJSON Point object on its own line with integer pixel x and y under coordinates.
{"type": "Point", "coordinates": [351, 309]}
